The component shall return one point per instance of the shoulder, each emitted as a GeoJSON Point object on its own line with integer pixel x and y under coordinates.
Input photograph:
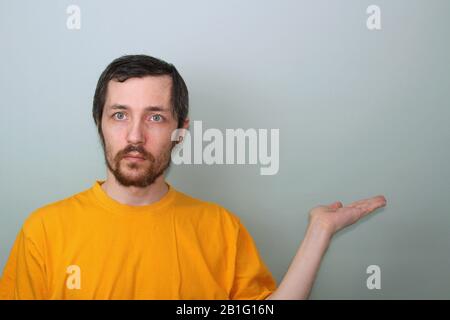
{"type": "Point", "coordinates": [206, 210]}
{"type": "Point", "coordinates": [52, 212]}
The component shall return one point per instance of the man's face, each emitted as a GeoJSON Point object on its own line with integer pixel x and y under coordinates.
{"type": "Point", "coordinates": [137, 124]}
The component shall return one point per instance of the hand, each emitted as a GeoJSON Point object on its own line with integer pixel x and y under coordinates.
{"type": "Point", "coordinates": [335, 217]}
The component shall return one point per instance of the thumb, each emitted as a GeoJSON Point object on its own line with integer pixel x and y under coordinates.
{"type": "Point", "coordinates": [335, 205]}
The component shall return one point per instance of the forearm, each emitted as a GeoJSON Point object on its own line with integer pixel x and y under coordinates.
{"type": "Point", "coordinates": [299, 279]}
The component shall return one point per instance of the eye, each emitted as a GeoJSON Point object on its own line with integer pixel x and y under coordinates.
{"type": "Point", "coordinates": [119, 116]}
{"type": "Point", "coordinates": [157, 117]}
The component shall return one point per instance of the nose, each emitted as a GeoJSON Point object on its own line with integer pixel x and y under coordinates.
{"type": "Point", "coordinates": [136, 133]}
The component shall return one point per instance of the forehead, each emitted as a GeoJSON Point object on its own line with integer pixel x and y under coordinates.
{"type": "Point", "coordinates": [140, 92]}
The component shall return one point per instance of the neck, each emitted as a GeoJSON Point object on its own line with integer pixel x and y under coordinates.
{"type": "Point", "coordinates": [135, 196]}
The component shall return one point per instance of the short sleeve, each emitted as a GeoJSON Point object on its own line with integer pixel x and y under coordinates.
{"type": "Point", "coordinates": [252, 278]}
{"type": "Point", "coordinates": [7, 282]}
{"type": "Point", "coordinates": [24, 273]}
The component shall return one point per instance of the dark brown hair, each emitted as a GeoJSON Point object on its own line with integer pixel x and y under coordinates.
{"type": "Point", "coordinates": [138, 66]}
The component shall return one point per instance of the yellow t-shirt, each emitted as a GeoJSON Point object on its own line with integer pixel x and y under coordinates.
{"type": "Point", "coordinates": [90, 246]}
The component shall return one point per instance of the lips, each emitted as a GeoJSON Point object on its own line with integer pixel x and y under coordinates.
{"type": "Point", "coordinates": [134, 156]}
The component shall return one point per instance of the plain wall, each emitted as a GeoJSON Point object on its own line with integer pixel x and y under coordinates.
{"type": "Point", "coordinates": [360, 113]}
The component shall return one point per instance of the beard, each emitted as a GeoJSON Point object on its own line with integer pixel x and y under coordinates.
{"type": "Point", "coordinates": [139, 174]}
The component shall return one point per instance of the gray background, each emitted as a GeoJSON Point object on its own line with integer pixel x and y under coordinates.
{"type": "Point", "coordinates": [360, 113]}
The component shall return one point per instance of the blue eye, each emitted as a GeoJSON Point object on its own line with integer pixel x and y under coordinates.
{"type": "Point", "coordinates": [119, 115]}
{"type": "Point", "coordinates": [158, 116]}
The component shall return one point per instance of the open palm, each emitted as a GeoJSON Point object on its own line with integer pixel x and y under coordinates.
{"type": "Point", "coordinates": [335, 217]}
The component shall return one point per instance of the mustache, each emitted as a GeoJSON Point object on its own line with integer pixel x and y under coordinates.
{"type": "Point", "coordinates": [137, 148]}
{"type": "Point", "coordinates": [131, 148]}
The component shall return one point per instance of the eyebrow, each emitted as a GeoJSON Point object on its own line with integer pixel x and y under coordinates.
{"type": "Point", "coordinates": [149, 108]}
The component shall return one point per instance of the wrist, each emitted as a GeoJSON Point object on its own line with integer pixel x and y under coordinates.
{"type": "Point", "coordinates": [321, 226]}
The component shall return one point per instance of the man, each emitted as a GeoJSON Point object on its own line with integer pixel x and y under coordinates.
{"type": "Point", "coordinates": [133, 236]}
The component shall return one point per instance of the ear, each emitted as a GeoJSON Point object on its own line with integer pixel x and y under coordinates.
{"type": "Point", "coordinates": [186, 123]}
{"type": "Point", "coordinates": [185, 127]}
{"type": "Point", "coordinates": [181, 132]}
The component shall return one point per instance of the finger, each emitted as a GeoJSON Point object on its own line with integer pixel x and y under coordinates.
{"type": "Point", "coordinates": [335, 205]}
{"type": "Point", "coordinates": [374, 202]}
{"type": "Point", "coordinates": [364, 208]}
{"type": "Point", "coordinates": [353, 213]}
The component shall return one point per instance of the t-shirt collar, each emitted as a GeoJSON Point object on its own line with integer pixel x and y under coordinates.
{"type": "Point", "coordinates": [106, 201]}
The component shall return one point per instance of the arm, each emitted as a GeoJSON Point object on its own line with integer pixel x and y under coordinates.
{"type": "Point", "coordinates": [301, 274]}
{"type": "Point", "coordinates": [24, 276]}
{"type": "Point", "coordinates": [324, 222]}
{"type": "Point", "coordinates": [30, 281]}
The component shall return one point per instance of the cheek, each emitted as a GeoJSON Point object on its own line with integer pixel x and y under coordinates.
{"type": "Point", "coordinates": [114, 140]}
{"type": "Point", "coordinates": [158, 140]}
